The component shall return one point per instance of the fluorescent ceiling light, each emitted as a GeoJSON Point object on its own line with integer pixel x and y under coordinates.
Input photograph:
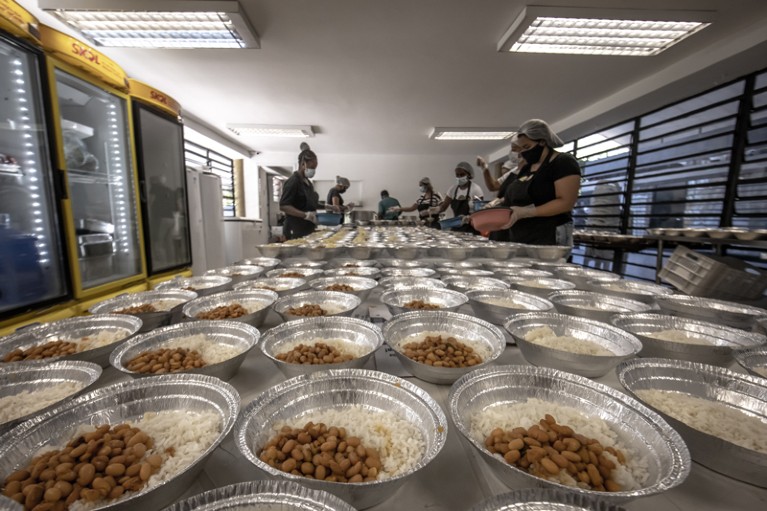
{"type": "Point", "coordinates": [158, 23]}
{"type": "Point", "coordinates": [472, 133]}
{"type": "Point", "coordinates": [593, 31]}
{"type": "Point", "coordinates": [270, 130]}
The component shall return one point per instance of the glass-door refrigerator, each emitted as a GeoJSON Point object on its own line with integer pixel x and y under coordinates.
{"type": "Point", "coordinates": [92, 116]}
{"type": "Point", "coordinates": [32, 260]}
{"type": "Point", "coordinates": [159, 138]}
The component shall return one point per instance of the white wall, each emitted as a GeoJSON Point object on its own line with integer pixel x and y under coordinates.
{"type": "Point", "coordinates": [397, 173]}
{"type": "Point", "coordinates": [252, 184]}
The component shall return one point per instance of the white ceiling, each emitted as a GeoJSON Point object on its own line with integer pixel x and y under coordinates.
{"type": "Point", "coordinates": [374, 76]}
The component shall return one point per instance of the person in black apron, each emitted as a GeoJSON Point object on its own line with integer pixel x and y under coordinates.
{"type": "Point", "coordinates": [299, 200]}
{"type": "Point", "coordinates": [546, 189]}
{"type": "Point", "coordinates": [511, 168]}
{"type": "Point", "coordinates": [426, 204]}
{"type": "Point", "coordinates": [335, 201]}
{"type": "Point", "coordinates": [460, 196]}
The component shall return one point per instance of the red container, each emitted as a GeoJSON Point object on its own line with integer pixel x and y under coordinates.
{"type": "Point", "coordinates": [490, 219]}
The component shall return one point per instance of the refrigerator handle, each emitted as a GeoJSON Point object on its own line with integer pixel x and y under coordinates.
{"type": "Point", "coordinates": [60, 184]}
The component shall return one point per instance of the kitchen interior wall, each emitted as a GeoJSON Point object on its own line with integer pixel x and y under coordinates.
{"type": "Point", "coordinates": [399, 174]}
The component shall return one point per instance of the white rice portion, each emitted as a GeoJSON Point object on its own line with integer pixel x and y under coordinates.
{"type": "Point", "coordinates": [400, 443]}
{"type": "Point", "coordinates": [631, 476]}
{"type": "Point", "coordinates": [536, 284]}
{"type": "Point", "coordinates": [481, 349]}
{"type": "Point", "coordinates": [212, 352]}
{"type": "Point", "coordinates": [329, 308]}
{"type": "Point", "coordinates": [345, 347]}
{"type": "Point", "coordinates": [88, 342]}
{"type": "Point", "coordinates": [711, 417]}
{"type": "Point", "coordinates": [545, 336]}
{"type": "Point", "coordinates": [188, 433]}
{"type": "Point", "coordinates": [271, 285]}
{"type": "Point", "coordinates": [509, 303]}
{"type": "Point", "coordinates": [166, 305]}
{"type": "Point", "coordinates": [30, 401]}
{"type": "Point", "coordinates": [679, 336]}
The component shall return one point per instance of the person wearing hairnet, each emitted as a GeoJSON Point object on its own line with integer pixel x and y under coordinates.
{"type": "Point", "coordinates": [544, 193]}
{"type": "Point", "coordinates": [461, 195]}
{"type": "Point", "coordinates": [335, 201]}
{"type": "Point", "coordinates": [299, 200]}
{"type": "Point", "coordinates": [511, 168]}
{"type": "Point", "coordinates": [427, 201]}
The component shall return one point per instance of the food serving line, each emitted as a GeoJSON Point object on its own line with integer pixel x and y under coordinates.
{"type": "Point", "coordinates": [460, 477]}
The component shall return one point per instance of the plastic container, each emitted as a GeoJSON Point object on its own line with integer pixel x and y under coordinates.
{"type": "Point", "coordinates": [490, 219]}
{"type": "Point", "coordinates": [724, 278]}
{"type": "Point", "coordinates": [329, 218]}
{"type": "Point", "coordinates": [449, 223]}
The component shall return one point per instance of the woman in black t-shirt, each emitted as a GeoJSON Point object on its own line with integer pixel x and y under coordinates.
{"type": "Point", "coordinates": [299, 200]}
{"type": "Point", "coordinates": [335, 201]}
{"type": "Point", "coordinates": [545, 191]}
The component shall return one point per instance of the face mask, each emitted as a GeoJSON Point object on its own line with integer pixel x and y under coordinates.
{"type": "Point", "coordinates": [423, 189]}
{"type": "Point", "coordinates": [462, 180]}
{"type": "Point", "coordinates": [309, 173]}
{"type": "Point", "coordinates": [532, 155]}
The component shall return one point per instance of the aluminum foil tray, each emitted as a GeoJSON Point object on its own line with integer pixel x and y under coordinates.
{"type": "Point", "coordinates": [262, 496]}
{"type": "Point", "coordinates": [541, 499]}
{"type": "Point", "coordinates": [723, 339]}
{"type": "Point", "coordinates": [745, 393]}
{"type": "Point", "coordinates": [636, 425]}
{"type": "Point", "coordinates": [121, 402]}
{"type": "Point", "coordinates": [341, 388]}
{"type": "Point", "coordinates": [17, 378]}
{"type": "Point", "coordinates": [228, 333]}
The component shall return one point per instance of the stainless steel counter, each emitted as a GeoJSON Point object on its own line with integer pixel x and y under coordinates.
{"type": "Point", "coordinates": [458, 478]}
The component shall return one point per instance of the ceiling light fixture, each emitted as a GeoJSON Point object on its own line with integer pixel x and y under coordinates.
{"type": "Point", "coordinates": [472, 133]}
{"type": "Point", "coordinates": [595, 31]}
{"type": "Point", "coordinates": [157, 23]}
{"type": "Point", "coordinates": [271, 130]}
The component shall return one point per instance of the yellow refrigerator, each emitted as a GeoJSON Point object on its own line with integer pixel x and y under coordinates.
{"type": "Point", "coordinates": [95, 159]}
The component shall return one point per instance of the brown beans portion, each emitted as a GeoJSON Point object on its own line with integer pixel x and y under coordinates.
{"type": "Point", "coordinates": [548, 449]}
{"type": "Point", "coordinates": [166, 360]}
{"type": "Point", "coordinates": [55, 480]}
{"type": "Point", "coordinates": [291, 275]}
{"type": "Point", "coordinates": [313, 354]}
{"type": "Point", "coordinates": [308, 310]}
{"type": "Point", "coordinates": [344, 288]}
{"type": "Point", "coordinates": [320, 452]}
{"type": "Point", "coordinates": [234, 310]}
{"type": "Point", "coordinates": [439, 352]}
{"type": "Point", "coordinates": [421, 305]}
{"type": "Point", "coordinates": [41, 351]}
{"type": "Point", "coordinates": [137, 309]}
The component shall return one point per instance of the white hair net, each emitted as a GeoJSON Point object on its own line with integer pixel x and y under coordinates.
{"type": "Point", "coordinates": [343, 181]}
{"type": "Point", "coordinates": [464, 165]}
{"type": "Point", "coordinates": [537, 129]}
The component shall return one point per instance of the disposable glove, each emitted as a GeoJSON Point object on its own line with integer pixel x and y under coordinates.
{"type": "Point", "coordinates": [518, 213]}
{"type": "Point", "coordinates": [311, 216]}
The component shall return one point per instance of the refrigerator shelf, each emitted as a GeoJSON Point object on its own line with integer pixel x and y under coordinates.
{"type": "Point", "coordinates": [79, 130]}
{"type": "Point", "coordinates": [90, 177]}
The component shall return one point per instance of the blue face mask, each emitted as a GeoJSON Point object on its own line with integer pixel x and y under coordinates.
{"type": "Point", "coordinates": [462, 180]}
{"type": "Point", "coordinates": [423, 189]}
{"type": "Point", "coordinates": [310, 172]}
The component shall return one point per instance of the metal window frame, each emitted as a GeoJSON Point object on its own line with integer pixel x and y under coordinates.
{"type": "Point", "coordinates": [731, 179]}
{"type": "Point", "coordinates": [219, 164]}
